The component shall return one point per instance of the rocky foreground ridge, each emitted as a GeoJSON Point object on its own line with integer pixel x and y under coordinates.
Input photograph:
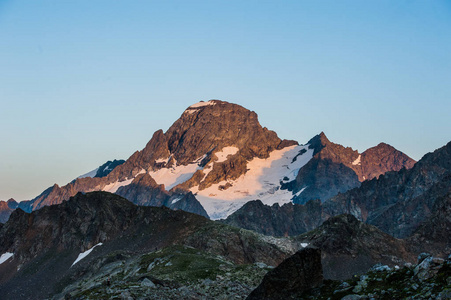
{"type": "Point", "coordinates": [45, 244]}
{"type": "Point", "coordinates": [300, 277]}
{"type": "Point", "coordinates": [160, 253]}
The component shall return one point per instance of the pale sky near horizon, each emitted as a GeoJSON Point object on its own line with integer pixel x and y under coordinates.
{"type": "Point", "coordinates": [83, 82]}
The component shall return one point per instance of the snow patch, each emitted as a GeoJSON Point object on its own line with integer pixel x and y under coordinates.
{"type": "Point", "coordinates": [176, 200]}
{"type": "Point", "coordinates": [113, 187]}
{"type": "Point", "coordinates": [300, 192]}
{"type": "Point", "coordinates": [191, 111]}
{"type": "Point", "coordinates": [202, 103]}
{"type": "Point", "coordinates": [176, 175]}
{"type": "Point", "coordinates": [225, 152]}
{"type": "Point", "coordinates": [84, 254]}
{"type": "Point", "coordinates": [89, 174]}
{"type": "Point", "coordinates": [261, 181]}
{"type": "Point", "coordinates": [162, 160]}
{"type": "Point", "coordinates": [5, 257]}
{"type": "Point", "coordinates": [357, 161]}
{"type": "Point", "coordinates": [304, 245]}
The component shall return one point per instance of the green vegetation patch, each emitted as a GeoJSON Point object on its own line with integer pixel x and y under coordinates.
{"type": "Point", "coordinates": [183, 264]}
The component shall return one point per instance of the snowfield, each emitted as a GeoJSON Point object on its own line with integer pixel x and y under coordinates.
{"type": "Point", "coordinates": [261, 181]}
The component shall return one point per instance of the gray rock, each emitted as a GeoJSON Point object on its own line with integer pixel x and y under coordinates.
{"type": "Point", "coordinates": [422, 256]}
{"type": "Point", "coordinates": [380, 268]}
{"type": "Point", "coordinates": [147, 283]}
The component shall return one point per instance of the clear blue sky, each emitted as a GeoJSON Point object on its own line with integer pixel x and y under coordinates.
{"type": "Point", "coordinates": [83, 82]}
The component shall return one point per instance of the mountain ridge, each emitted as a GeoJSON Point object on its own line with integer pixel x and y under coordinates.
{"type": "Point", "coordinates": [224, 164]}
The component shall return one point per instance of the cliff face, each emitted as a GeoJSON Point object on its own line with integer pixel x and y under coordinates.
{"type": "Point", "coordinates": [397, 202]}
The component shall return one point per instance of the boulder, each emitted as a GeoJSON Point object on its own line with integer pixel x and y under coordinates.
{"type": "Point", "coordinates": [295, 275]}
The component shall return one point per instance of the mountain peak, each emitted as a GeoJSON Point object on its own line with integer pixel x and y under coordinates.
{"type": "Point", "coordinates": [318, 142]}
{"type": "Point", "coordinates": [198, 132]}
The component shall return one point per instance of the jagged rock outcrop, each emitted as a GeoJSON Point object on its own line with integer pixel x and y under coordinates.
{"type": "Point", "coordinates": [107, 167]}
{"type": "Point", "coordinates": [293, 277]}
{"type": "Point", "coordinates": [367, 165]}
{"type": "Point", "coordinates": [336, 169]}
{"type": "Point", "coordinates": [351, 247]}
{"type": "Point", "coordinates": [286, 220]}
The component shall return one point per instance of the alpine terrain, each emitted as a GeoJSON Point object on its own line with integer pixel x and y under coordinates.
{"type": "Point", "coordinates": [219, 207]}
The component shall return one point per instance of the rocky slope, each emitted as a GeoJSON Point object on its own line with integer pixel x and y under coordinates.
{"type": "Point", "coordinates": [286, 220]}
{"type": "Point", "coordinates": [45, 244]}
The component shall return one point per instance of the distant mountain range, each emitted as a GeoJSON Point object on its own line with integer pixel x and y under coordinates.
{"type": "Point", "coordinates": [408, 203]}
{"type": "Point", "coordinates": [220, 153]}
{"type": "Point", "coordinates": [141, 227]}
